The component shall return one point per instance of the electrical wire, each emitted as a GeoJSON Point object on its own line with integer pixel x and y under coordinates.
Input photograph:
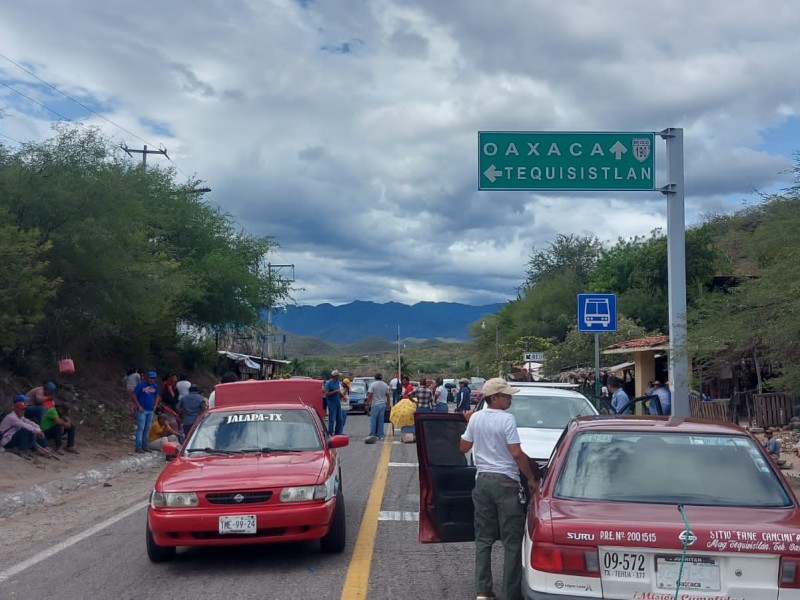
{"type": "Point", "coordinates": [8, 137]}
{"type": "Point", "coordinates": [35, 101]}
{"type": "Point", "coordinates": [78, 102]}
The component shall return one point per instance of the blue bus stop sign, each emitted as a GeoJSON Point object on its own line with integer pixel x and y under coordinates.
{"type": "Point", "coordinates": [597, 313]}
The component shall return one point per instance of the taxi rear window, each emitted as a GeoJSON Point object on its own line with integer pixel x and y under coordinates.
{"type": "Point", "coordinates": [669, 468]}
{"type": "Point", "coordinates": [247, 430]}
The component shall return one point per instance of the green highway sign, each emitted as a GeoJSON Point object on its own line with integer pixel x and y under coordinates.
{"type": "Point", "coordinates": [566, 160]}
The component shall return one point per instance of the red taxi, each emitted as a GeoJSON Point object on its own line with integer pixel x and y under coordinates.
{"type": "Point", "coordinates": [644, 508]}
{"type": "Point", "coordinates": [257, 468]}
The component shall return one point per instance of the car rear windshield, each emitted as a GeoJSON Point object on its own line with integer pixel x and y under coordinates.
{"type": "Point", "coordinates": [276, 430]}
{"type": "Point", "coordinates": [669, 468]}
{"type": "Point", "coordinates": [358, 387]}
{"type": "Point", "coordinates": [548, 412]}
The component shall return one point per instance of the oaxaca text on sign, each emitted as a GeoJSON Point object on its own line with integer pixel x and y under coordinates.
{"type": "Point", "coordinates": [521, 160]}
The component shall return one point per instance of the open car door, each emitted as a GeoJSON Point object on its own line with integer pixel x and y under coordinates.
{"type": "Point", "coordinates": [652, 400]}
{"type": "Point", "coordinates": [446, 513]}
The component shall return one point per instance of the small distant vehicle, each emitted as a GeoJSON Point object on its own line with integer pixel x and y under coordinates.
{"type": "Point", "coordinates": [475, 391]}
{"type": "Point", "coordinates": [358, 395]}
{"type": "Point", "coordinates": [258, 468]}
{"type": "Point", "coordinates": [542, 412]}
{"type": "Point", "coordinates": [634, 507]}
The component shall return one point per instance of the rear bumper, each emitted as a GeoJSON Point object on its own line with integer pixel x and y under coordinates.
{"type": "Point", "coordinates": [530, 594]}
{"type": "Point", "coordinates": [279, 523]}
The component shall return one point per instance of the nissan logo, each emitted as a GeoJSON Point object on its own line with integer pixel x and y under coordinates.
{"type": "Point", "coordinates": [239, 498]}
{"type": "Point", "coordinates": [687, 537]}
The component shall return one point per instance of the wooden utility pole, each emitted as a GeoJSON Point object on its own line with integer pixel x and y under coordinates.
{"type": "Point", "coordinates": [276, 269]}
{"type": "Point", "coordinates": [144, 152]}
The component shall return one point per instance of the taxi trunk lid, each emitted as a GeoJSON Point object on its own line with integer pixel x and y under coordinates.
{"type": "Point", "coordinates": [730, 553]}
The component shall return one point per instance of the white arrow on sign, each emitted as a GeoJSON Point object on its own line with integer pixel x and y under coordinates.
{"type": "Point", "coordinates": [618, 149]}
{"type": "Point", "coordinates": [492, 173]}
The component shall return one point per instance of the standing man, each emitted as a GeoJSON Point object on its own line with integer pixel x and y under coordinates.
{"type": "Point", "coordinates": [394, 384]}
{"type": "Point", "coordinates": [377, 398]}
{"type": "Point", "coordinates": [440, 396]}
{"type": "Point", "coordinates": [332, 397]}
{"type": "Point", "coordinates": [423, 396]}
{"type": "Point", "coordinates": [145, 400]}
{"type": "Point", "coordinates": [182, 386]}
{"type": "Point", "coordinates": [618, 396]}
{"type": "Point", "coordinates": [464, 401]}
{"type": "Point", "coordinates": [492, 436]}
{"type": "Point", "coordinates": [191, 406]}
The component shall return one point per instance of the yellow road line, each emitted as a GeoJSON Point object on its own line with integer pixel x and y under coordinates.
{"type": "Point", "coordinates": [357, 580]}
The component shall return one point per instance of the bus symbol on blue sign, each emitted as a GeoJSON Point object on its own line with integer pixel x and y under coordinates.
{"type": "Point", "coordinates": [597, 312]}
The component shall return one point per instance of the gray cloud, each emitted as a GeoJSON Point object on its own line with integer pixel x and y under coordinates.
{"type": "Point", "coordinates": [351, 136]}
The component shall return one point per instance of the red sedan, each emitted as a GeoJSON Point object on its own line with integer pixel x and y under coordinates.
{"type": "Point", "coordinates": [647, 508]}
{"type": "Point", "coordinates": [253, 473]}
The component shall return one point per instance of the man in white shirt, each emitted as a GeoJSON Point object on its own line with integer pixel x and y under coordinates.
{"type": "Point", "coordinates": [441, 396]}
{"type": "Point", "coordinates": [493, 438]}
{"type": "Point", "coordinates": [182, 387]}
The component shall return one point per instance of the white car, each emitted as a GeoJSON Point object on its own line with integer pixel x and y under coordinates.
{"type": "Point", "coordinates": [542, 411]}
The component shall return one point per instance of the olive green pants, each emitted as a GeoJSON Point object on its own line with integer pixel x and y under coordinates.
{"type": "Point", "coordinates": [498, 515]}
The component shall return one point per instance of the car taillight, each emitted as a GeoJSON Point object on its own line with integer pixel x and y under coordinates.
{"type": "Point", "coordinates": [790, 572]}
{"type": "Point", "coordinates": [569, 560]}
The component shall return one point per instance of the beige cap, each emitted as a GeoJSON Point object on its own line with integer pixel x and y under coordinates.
{"type": "Point", "coordinates": [498, 385]}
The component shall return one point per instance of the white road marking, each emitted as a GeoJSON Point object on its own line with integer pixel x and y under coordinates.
{"type": "Point", "coordinates": [398, 515]}
{"type": "Point", "coordinates": [399, 464]}
{"type": "Point", "coordinates": [71, 541]}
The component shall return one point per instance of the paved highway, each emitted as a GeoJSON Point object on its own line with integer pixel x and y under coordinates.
{"type": "Point", "coordinates": [104, 557]}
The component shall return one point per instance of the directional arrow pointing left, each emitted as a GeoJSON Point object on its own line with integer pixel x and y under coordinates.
{"type": "Point", "coordinates": [492, 173]}
{"type": "Point", "coordinates": [618, 149]}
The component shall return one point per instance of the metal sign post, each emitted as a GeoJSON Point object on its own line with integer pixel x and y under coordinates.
{"type": "Point", "coordinates": [676, 272]}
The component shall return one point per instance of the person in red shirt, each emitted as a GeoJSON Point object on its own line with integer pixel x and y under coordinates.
{"type": "Point", "coordinates": [407, 387]}
{"type": "Point", "coordinates": [40, 400]}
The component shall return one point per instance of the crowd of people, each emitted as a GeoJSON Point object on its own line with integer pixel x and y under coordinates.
{"type": "Point", "coordinates": [166, 411]}
{"type": "Point", "coordinates": [38, 425]}
{"type": "Point", "coordinates": [428, 395]}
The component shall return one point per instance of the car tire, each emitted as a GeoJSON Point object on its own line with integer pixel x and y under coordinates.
{"type": "Point", "coordinates": [155, 552]}
{"type": "Point", "coordinates": [336, 538]}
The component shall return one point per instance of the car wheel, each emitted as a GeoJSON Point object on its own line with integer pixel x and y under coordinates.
{"type": "Point", "coordinates": [336, 538]}
{"type": "Point", "coordinates": [155, 552]}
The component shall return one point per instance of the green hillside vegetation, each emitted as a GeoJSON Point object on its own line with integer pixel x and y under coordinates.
{"type": "Point", "coordinates": [743, 294]}
{"type": "Point", "coordinates": [102, 257]}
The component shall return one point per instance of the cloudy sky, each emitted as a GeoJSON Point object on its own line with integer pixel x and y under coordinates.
{"type": "Point", "coordinates": [347, 129]}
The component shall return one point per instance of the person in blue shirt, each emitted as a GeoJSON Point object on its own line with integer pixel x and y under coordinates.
{"type": "Point", "coordinates": [771, 445]}
{"type": "Point", "coordinates": [618, 396]}
{"type": "Point", "coordinates": [664, 395]}
{"type": "Point", "coordinates": [464, 396]}
{"type": "Point", "coordinates": [145, 399]}
{"type": "Point", "coordinates": [332, 398]}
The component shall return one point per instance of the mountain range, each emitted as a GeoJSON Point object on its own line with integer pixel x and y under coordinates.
{"type": "Point", "coordinates": [349, 323]}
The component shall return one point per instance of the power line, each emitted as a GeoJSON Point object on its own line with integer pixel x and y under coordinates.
{"type": "Point", "coordinates": [55, 112]}
{"type": "Point", "coordinates": [94, 112]}
{"type": "Point", "coordinates": [91, 110]}
{"type": "Point", "coordinates": [8, 137]}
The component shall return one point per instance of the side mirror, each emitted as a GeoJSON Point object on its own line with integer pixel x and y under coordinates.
{"type": "Point", "coordinates": [339, 441]}
{"type": "Point", "coordinates": [170, 449]}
